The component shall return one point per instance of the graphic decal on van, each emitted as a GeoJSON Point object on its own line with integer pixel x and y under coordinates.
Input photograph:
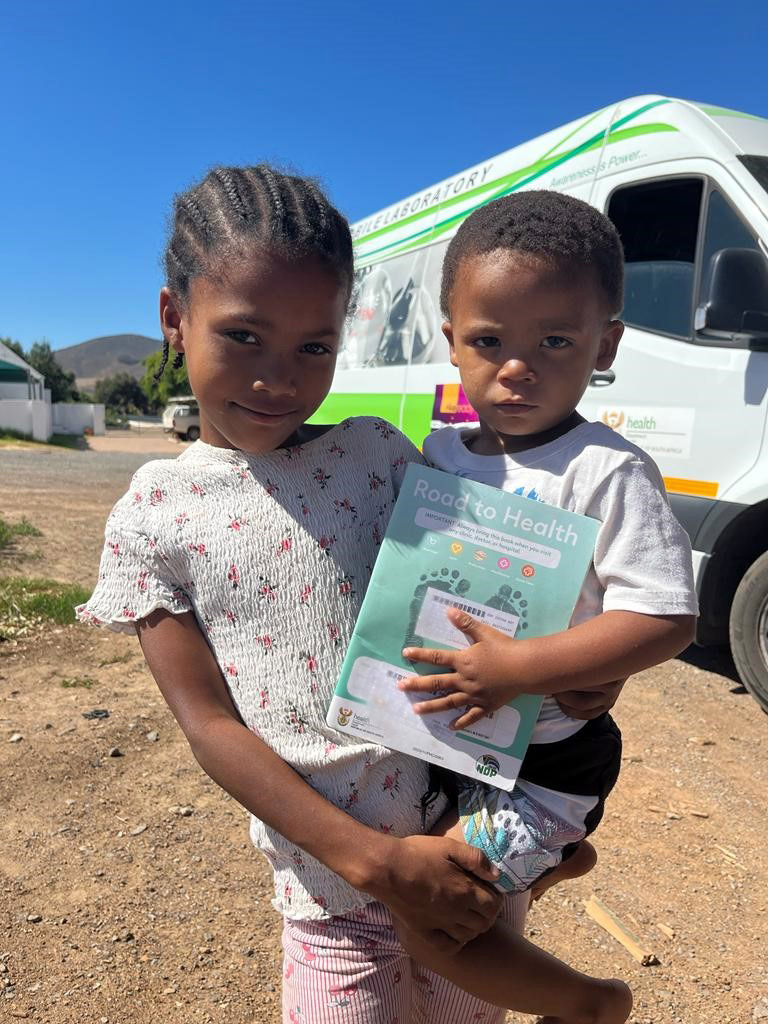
{"type": "Point", "coordinates": [506, 184]}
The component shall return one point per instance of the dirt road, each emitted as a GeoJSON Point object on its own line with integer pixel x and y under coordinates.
{"type": "Point", "coordinates": [119, 907]}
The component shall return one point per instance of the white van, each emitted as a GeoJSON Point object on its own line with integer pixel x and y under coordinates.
{"type": "Point", "coordinates": [687, 186]}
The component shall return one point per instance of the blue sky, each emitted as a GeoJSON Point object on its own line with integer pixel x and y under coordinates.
{"type": "Point", "coordinates": [110, 107]}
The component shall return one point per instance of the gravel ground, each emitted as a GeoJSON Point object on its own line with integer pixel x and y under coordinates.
{"type": "Point", "coordinates": [119, 907]}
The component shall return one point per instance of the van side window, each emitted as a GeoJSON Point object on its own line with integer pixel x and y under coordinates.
{"type": "Point", "coordinates": [658, 223]}
{"type": "Point", "coordinates": [724, 230]}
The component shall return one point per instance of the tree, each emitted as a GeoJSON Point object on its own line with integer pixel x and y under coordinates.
{"type": "Point", "coordinates": [14, 346]}
{"type": "Point", "coordinates": [173, 382]}
{"type": "Point", "coordinates": [61, 382]}
{"type": "Point", "coordinates": [121, 393]}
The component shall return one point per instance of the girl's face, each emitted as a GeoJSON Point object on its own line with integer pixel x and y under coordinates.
{"type": "Point", "coordinates": [260, 341]}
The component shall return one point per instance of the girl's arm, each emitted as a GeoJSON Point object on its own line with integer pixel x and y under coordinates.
{"type": "Point", "coordinates": [437, 886]}
{"type": "Point", "coordinates": [496, 668]}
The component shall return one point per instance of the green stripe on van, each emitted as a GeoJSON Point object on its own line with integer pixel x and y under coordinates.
{"type": "Point", "coordinates": [511, 183]}
{"type": "Point", "coordinates": [725, 112]}
{"type": "Point", "coordinates": [417, 411]}
{"type": "Point", "coordinates": [542, 163]}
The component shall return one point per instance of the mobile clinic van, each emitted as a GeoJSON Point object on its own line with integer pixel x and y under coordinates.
{"type": "Point", "coordinates": [687, 186]}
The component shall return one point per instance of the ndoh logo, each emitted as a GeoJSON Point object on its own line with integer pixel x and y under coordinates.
{"type": "Point", "coordinates": [344, 715]}
{"type": "Point", "coordinates": [487, 765]}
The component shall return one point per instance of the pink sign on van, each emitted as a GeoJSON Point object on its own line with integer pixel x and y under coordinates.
{"type": "Point", "coordinates": [451, 406]}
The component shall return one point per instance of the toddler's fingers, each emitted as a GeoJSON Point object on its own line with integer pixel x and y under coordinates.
{"type": "Point", "coordinates": [450, 702]}
{"type": "Point", "coordinates": [470, 716]}
{"type": "Point", "coordinates": [439, 685]}
{"type": "Point", "coordinates": [432, 657]}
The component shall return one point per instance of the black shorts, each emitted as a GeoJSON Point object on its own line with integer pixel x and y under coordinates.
{"type": "Point", "coordinates": [585, 764]}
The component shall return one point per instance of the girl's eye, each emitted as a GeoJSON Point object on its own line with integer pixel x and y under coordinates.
{"type": "Point", "coordinates": [243, 337]}
{"type": "Point", "coordinates": [555, 341]}
{"type": "Point", "coordinates": [486, 342]}
{"type": "Point", "coordinates": [316, 348]}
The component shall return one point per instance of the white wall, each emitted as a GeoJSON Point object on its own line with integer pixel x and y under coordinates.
{"type": "Point", "coordinates": [28, 417]}
{"type": "Point", "coordinates": [74, 417]}
{"type": "Point", "coordinates": [12, 390]}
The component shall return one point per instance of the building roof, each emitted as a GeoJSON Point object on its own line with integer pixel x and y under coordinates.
{"type": "Point", "coordinates": [14, 369]}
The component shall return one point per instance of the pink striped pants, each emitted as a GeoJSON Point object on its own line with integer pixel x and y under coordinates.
{"type": "Point", "coordinates": [353, 970]}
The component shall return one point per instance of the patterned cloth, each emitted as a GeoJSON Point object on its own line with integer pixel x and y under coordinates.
{"type": "Point", "coordinates": [353, 970]}
{"type": "Point", "coordinates": [273, 554]}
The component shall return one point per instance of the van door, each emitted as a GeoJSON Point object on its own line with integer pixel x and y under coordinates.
{"type": "Point", "coordinates": [682, 401]}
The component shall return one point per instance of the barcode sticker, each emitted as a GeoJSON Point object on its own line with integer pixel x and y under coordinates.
{"type": "Point", "coordinates": [375, 682]}
{"type": "Point", "coordinates": [433, 624]}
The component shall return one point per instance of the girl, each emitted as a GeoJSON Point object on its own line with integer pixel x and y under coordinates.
{"type": "Point", "coordinates": [241, 565]}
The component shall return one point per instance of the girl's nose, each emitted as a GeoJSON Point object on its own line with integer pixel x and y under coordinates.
{"type": "Point", "coordinates": [278, 380]}
{"type": "Point", "coordinates": [516, 370]}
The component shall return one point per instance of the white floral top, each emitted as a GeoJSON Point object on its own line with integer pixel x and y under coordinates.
{"type": "Point", "coordinates": [273, 554]}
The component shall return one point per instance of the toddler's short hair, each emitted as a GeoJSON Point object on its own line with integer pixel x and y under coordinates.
{"type": "Point", "coordinates": [557, 228]}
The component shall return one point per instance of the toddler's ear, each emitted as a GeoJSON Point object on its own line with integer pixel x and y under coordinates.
{"type": "Point", "coordinates": [448, 332]}
{"type": "Point", "coordinates": [171, 319]}
{"type": "Point", "coordinates": [609, 344]}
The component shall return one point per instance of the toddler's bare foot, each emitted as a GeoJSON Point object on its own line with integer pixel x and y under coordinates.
{"type": "Point", "coordinates": [579, 863]}
{"type": "Point", "coordinates": [611, 1003]}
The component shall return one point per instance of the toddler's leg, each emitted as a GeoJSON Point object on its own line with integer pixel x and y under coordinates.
{"type": "Point", "coordinates": [503, 968]}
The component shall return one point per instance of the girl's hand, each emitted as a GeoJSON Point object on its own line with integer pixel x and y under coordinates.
{"type": "Point", "coordinates": [439, 888]}
{"type": "Point", "coordinates": [483, 677]}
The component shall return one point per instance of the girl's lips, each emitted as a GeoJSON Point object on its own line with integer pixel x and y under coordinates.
{"type": "Point", "coordinates": [264, 416]}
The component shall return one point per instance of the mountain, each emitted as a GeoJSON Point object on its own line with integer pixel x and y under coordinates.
{"type": "Point", "coordinates": [104, 357]}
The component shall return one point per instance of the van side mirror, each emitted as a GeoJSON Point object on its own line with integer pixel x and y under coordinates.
{"type": "Point", "coordinates": [736, 299]}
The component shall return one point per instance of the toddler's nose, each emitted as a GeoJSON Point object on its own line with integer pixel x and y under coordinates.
{"type": "Point", "coordinates": [515, 370]}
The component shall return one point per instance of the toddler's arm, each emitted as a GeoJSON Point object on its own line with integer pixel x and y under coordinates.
{"type": "Point", "coordinates": [496, 668]}
{"type": "Point", "coordinates": [439, 887]}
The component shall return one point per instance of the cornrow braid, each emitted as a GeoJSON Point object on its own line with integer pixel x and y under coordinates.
{"type": "Point", "coordinates": [558, 228]}
{"type": "Point", "coordinates": [234, 208]}
{"type": "Point", "coordinates": [178, 361]}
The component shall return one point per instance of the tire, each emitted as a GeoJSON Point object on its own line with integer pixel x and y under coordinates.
{"type": "Point", "coordinates": [749, 630]}
{"type": "Point", "coordinates": [193, 433]}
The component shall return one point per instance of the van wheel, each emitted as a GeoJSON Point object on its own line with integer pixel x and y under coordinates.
{"type": "Point", "coordinates": [749, 630]}
{"type": "Point", "coordinates": [193, 433]}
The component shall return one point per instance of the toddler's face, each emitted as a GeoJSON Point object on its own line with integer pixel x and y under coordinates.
{"type": "Point", "coordinates": [260, 341]}
{"type": "Point", "coordinates": [526, 337]}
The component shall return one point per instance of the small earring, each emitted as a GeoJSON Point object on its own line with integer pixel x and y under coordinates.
{"type": "Point", "coordinates": [178, 361]}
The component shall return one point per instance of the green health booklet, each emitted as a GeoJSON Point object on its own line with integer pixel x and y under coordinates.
{"type": "Point", "coordinates": [510, 561]}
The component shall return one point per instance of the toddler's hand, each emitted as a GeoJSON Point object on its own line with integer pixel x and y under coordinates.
{"type": "Point", "coordinates": [439, 888]}
{"type": "Point", "coordinates": [483, 677]}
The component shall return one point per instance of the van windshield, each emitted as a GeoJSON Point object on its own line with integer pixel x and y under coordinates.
{"type": "Point", "coordinates": [758, 168]}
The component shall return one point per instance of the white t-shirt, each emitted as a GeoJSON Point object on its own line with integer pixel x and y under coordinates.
{"type": "Point", "coordinates": [642, 560]}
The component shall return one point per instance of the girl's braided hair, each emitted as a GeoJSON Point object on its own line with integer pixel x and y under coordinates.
{"type": "Point", "coordinates": [236, 207]}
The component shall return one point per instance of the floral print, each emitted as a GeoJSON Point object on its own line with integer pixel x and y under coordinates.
{"type": "Point", "coordinates": [273, 554]}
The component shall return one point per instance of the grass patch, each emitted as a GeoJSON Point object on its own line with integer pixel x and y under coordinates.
{"type": "Point", "coordinates": [119, 659]}
{"type": "Point", "coordinates": [9, 531]}
{"type": "Point", "coordinates": [28, 605]}
{"type": "Point", "coordinates": [15, 437]}
{"type": "Point", "coordinates": [84, 682]}
{"type": "Point", "coordinates": [6, 434]}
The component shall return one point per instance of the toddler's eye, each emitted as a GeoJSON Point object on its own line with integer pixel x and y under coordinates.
{"type": "Point", "coordinates": [316, 348]}
{"type": "Point", "coordinates": [243, 337]}
{"type": "Point", "coordinates": [487, 341]}
{"type": "Point", "coordinates": [555, 341]}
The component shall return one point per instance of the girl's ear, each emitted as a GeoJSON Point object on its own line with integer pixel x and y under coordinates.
{"type": "Point", "coordinates": [171, 321]}
{"type": "Point", "coordinates": [448, 332]}
{"type": "Point", "coordinates": [609, 344]}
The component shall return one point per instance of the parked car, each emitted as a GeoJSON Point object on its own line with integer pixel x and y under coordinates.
{"type": "Point", "coordinates": [181, 417]}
